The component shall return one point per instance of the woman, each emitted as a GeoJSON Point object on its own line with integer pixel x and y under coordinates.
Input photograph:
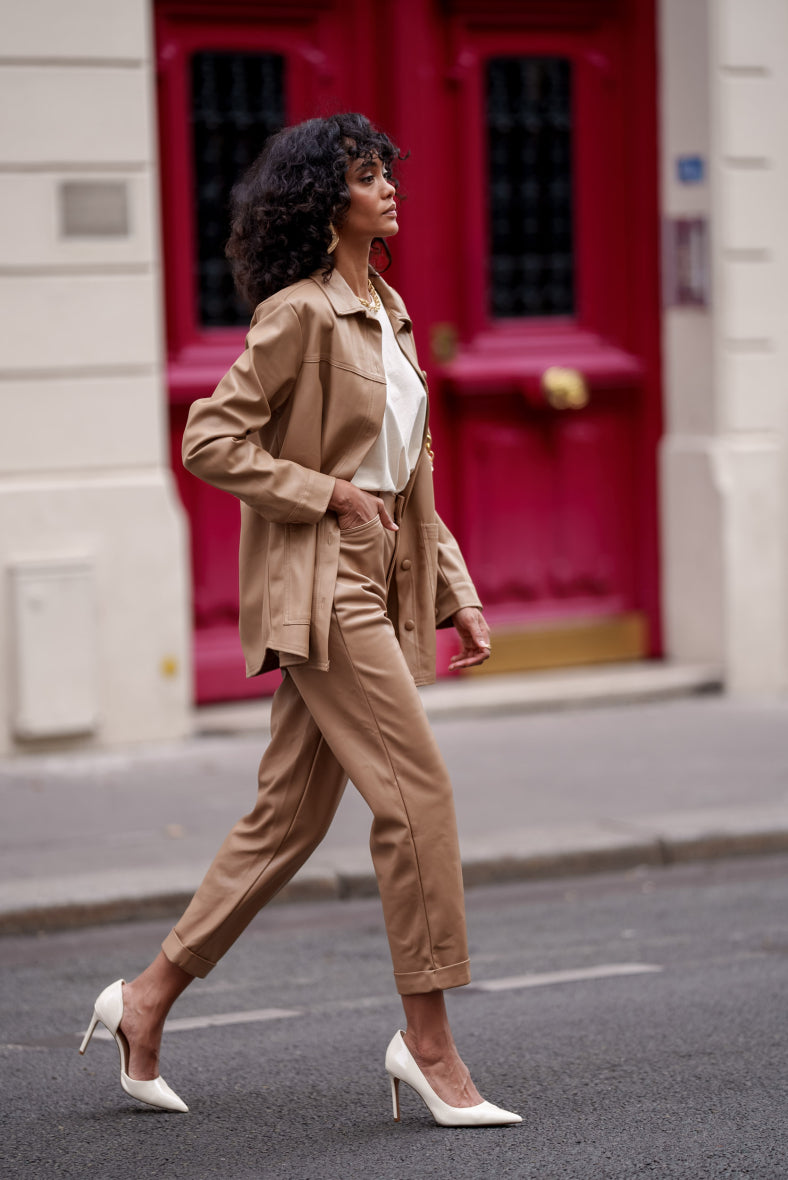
{"type": "Point", "coordinates": [320, 430]}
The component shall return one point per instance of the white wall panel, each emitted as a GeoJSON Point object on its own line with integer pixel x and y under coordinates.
{"type": "Point", "coordinates": [752, 35]}
{"type": "Point", "coordinates": [81, 425]}
{"type": "Point", "coordinates": [690, 392]}
{"type": "Point", "coordinates": [745, 129]}
{"type": "Point", "coordinates": [754, 391]}
{"type": "Point", "coordinates": [73, 28]}
{"type": "Point", "coordinates": [80, 321]}
{"type": "Point", "coordinates": [752, 300]}
{"type": "Point", "coordinates": [751, 209]}
{"type": "Point", "coordinates": [31, 222]}
{"type": "Point", "coordinates": [755, 582]}
{"type": "Point", "coordinates": [70, 114]}
{"type": "Point", "coordinates": [693, 565]}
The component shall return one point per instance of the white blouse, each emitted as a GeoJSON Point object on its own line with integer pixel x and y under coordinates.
{"type": "Point", "coordinates": [388, 463]}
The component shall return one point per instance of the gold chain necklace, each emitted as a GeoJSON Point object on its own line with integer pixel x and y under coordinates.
{"type": "Point", "coordinates": [372, 304]}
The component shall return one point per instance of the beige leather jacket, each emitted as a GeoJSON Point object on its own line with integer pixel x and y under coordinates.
{"type": "Point", "coordinates": [301, 406]}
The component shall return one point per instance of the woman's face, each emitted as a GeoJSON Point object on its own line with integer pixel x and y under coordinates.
{"type": "Point", "coordinates": [373, 209]}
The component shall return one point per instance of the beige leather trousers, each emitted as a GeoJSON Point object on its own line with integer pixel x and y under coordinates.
{"type": "Point", "coordinates": [361, 719]}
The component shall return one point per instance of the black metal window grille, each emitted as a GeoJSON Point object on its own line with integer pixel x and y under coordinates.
{"type": "Point", "coordinates": [237, 102]}
{"type": "Point", "coordinates": [529, 126]}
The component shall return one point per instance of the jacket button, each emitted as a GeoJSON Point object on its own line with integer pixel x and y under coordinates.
{"type": "Point", "coordinates": [406, 563]}
{"type": "Point", "coordinates": [410, 625]}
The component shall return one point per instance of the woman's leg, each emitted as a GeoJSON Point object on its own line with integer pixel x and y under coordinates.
{"type": "Point", "coordinates": [300, 786]}
{"type": "Point", "coordinates": [370, 713]}
{"type": "Point", "coordinates": [374, 719]}
{"type": "Point", "coordinates": [431, 1044]}
{"type": "Point", "coordinates": [146, 1002]}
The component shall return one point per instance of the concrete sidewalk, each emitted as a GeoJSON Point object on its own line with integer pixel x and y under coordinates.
{"type": "Point", "coordinates": [554, 774]}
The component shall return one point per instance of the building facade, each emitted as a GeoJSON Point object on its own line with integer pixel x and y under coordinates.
{"type": "Point", "coordinates": [591, 250]}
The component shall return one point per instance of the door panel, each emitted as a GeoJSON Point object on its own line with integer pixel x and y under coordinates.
{"type": "Point", "coordinates": [558, 271]}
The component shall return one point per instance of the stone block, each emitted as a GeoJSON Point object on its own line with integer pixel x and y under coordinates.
{"type": "Point", "coordinates": [74, 114]}
{"type": "Point", "coordinates": [752, 294]}
{"type": "Point", "coordinates": [80, 321]}
{"type": "Point", "coordinates": [31, 222]}
{"type": "Point", "coordinates": [751, 472]}
{"type": "Point", "coordinates": [745, 131]}
{"type": "Point", "coordinates": [690, 394]}
{"type": "Point", "coordinates": [752, 391]}
{"type": "Point", "coordinates": [692, 554]}
{"type": "Point", "coordinates": [81, 29]}
{"type": "Point", "coordinates": [82, 425]}
{"type": "Point", "coordinates": [752, 33]}
{"type": "Point", "coordinates": [751, 209]}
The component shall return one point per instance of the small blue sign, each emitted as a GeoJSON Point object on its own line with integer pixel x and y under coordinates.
{"type": "Point", "coordinates": [691, 169]}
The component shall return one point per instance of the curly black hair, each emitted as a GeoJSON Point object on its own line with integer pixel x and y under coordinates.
{"type": "Point", "coordinates": [282, 207]}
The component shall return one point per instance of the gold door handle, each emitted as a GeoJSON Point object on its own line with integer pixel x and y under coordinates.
{"type": "Point", "coordinates": [565, 389]}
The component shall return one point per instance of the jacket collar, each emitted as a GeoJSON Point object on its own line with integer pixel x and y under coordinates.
{"type": "Point", "coordinates": [390, 300]}
{"type": "Point", "coordinates": [344, 302]}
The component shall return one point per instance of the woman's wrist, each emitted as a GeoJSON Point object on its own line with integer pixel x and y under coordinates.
{"type": "Point", "coordinates": [338, 497]}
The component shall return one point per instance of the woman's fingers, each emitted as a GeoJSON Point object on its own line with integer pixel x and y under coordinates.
{"type": "Point", "coordinates": [385, 519]}
{"type": "Point", "coordinates": [472, 628]}
{"type": "Point", "coordinates": [355, 507]}
{"type": "Point", "coordinates": [465, 660]}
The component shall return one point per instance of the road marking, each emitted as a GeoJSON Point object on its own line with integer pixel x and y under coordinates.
{"type": "Point", "coordinates": [511, 983]}
{"type": "Point", "coordinates": [187, 1023]}
{"type": "Point", "coordinates": [604, 971]}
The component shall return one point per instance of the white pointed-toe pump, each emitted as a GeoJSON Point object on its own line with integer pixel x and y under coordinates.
{"type": "Point", "coordinates": [109, 1010]}
{"type": "Point", "coordinates": [401, 1067]}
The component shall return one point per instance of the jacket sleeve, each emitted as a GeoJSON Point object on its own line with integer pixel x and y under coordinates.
{"type": "Point", "coordinates": [216, 442]}
{"type": "Point", "coordinates": [455, 588]}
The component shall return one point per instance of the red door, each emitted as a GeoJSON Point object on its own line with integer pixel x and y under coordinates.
{"type": "Point", "coordinates": [528, 242]}
{"type": "Point", "coordinates": [545, 203]}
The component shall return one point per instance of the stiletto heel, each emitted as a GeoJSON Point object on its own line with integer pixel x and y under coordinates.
{"type": "Point", "coordinates": [89, 1033]}
{"type": "Point", "coordinates": [109, 1010]}
{"type": "Point", "coordinates": [400, 1066]}
{"type": "Point", "coordinates": [395, 1096]}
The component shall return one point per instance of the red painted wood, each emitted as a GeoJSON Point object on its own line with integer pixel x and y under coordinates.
{"type": "Point", "coordinates": [556, 510]}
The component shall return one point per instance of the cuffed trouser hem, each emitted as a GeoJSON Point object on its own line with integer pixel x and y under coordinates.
{"type": "Point", "coordinates": [434, 979]}
{"type": "Point", "coordinates": [182, 957]}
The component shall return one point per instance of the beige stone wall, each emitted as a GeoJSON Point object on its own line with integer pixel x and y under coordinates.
{"type": "Point", "coordinates": [94, 608]}
{"type": "Point", "coordinates": [724, 95]}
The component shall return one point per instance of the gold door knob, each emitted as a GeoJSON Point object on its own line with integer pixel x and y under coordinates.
{"type": "Point", "coordinates": [564, 389]}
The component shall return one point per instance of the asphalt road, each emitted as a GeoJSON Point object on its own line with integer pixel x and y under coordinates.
{"type": "Point", "coordinates": [677, 1069]}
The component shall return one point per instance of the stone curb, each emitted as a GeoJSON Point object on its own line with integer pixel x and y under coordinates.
{"type": "Point", "coordinates": [597, 856]}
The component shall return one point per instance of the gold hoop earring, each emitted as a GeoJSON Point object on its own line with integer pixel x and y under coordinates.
{"type": "Point", "coordinates": [332, 245]}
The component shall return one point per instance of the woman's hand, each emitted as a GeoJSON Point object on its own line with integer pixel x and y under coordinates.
{"type": "Point", "coordinates": [472, 629]}
{"type": "Point", "coordinates": [354, 507]}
